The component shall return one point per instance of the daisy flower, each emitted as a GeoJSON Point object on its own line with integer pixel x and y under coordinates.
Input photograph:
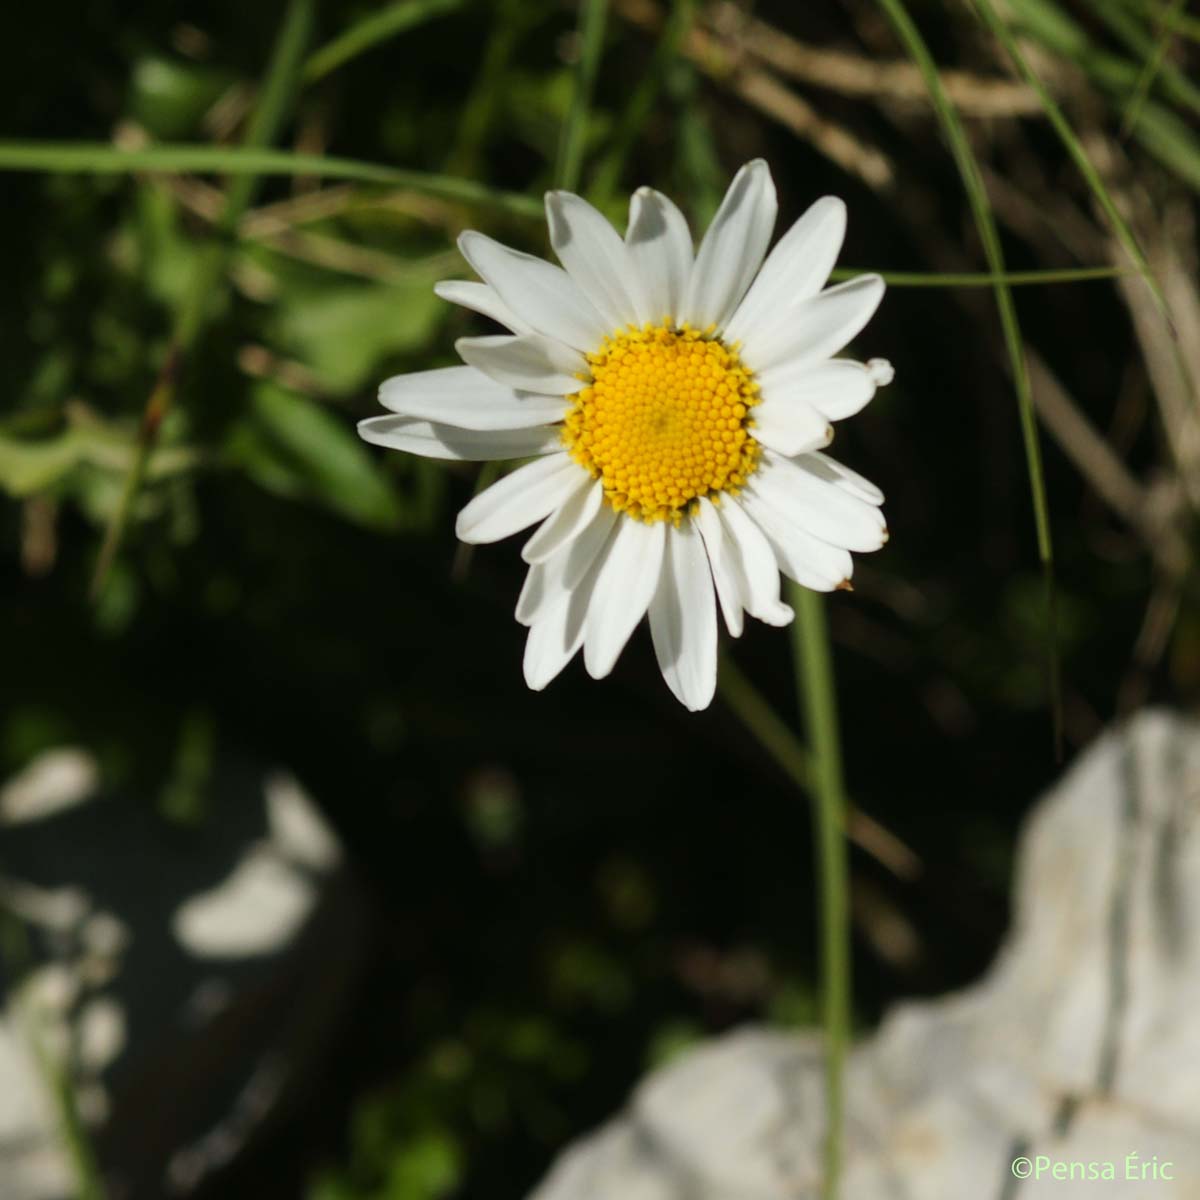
{"type": "Point", "coordinates": [673, 404]}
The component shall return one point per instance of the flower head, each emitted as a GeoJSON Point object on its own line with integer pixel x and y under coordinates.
{"type": "Point", "coordinates": [674, 404]}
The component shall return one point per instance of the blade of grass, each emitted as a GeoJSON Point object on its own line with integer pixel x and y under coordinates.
{"type": "Point", "coordinates": [592, 17]}
{"type": "Point", "coordinates": [511, 21]}
{"type": "Point", "coordinates": [1154, 51]}
{"type": "Point", "coordinates": [275, 100]}
{"type": "Point", "coordinates": [1074, 148]}
{"type": "Point", "coordinates": [637, 111]}
{"type": "Point", "coordinates": [99, 158]}
{"type": "Point", "coordinates": [813, 660]}
{"type": "Point", "coordinates": [920, 279]}
{"type": "Point", "coordinates": [1162, 132]}
{"type": "Point", "coordinates": [968, 169]}
{"type": "Point", "coordinates": [367, 33]}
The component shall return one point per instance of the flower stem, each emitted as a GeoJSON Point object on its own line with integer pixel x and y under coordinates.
{"type": "Point", "coordinates": [815, 683]}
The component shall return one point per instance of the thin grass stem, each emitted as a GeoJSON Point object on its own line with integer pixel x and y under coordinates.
{"type": "Point", "coordinates": [569, 164]}
{"type": "Point", "coordinates": [100, 158]}
{"type": "Point", "coordinates": [368, 32]}
{"type": "Point", "coordinates": [985, 223]}
{"type": "Point", "coordinates": [974, 279]}
{"type": "Point", "coordinates": [1073, 146]}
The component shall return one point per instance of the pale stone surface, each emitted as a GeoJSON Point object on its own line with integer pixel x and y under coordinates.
{"type": "Point", "coordinates": [1080, 1047]}
{"type": "Point", "coordinates": [180, 978]}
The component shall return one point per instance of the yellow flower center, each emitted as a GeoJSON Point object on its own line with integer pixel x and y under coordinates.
{"type": "Point", "coordinates": [664, 421]}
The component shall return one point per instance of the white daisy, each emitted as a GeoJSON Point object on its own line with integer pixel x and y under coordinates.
{"type": "Point", "coordinates": [674, 406]}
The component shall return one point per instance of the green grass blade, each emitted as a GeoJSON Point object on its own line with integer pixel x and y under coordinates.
{"type": "Point", "coordinates": [592, 17]}
{"type": "Point", "coordinates": [372, 29]}
{"type": "Point", "coordinates": [985, 223]}
{"type": "Point", "coordinates": [817, 691]}
{"type": "Point", "coordinates": [100, 158]}
{"type": "Point", "coordinates": [1154, 51]}
{"type": "Point", "coordinates": [974, 279]}
{"type": "Point", "coordinates": [641, 103]}
{"type": "Point", "coordinates": [275, 100]}
{"type": "Point", "coordinates": [1073, 147]}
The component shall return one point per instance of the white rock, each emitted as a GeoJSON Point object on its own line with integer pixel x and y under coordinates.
{"type": "Point", "coordinates": [1079, 1050]}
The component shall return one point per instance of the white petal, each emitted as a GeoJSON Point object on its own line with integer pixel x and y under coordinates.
{"type": "Point", "coordinates": [556, 636]}
{"type": "Point", "coordinates": [732, 249]}
{"type": "Point", "coordinates": [841, 476]}
{"type": "Point", "coordinates": [801, 555]}
{"type": "Point", "coordinates": [722, 558]}
{"type": "Point", "coordinates": [595, 257]}
{"type": "Point", "coordinates": [530, 362]}
{"type": "Point", "coordinates": [548, 647]}
{"type": "Point", "coordinates": [480, 298]}
{"type": "Point", "coordinates": [796, 269]}
{"type": "Point", "coordinates": [818, 327]}
{"type": "Point", "coordinates": [467, 398]}
{"type": "Point", "coordinates": [563, 526]}
{"type": "Point", "coordinates": [519, 499]}
{"type": "Point", "coordinates": [465, 445]}
{"type": "Point", "coordinates": [788, 427]}
{"type": "Point", "coordinates": [807, 497]}
{"type": "Point", "coordinates": [547, 582]}
{"type": "Point", "coordinates": [626, 583]}
{"type": "Point", "coordinates": [554, 640]}
{"type": "Point", "coordinates": [756, 564]}
{"type": "Point", "coordinates": [683, 620]}
{"type": "Point", "coordinates": [882, 371]}
{"type": "Point", "coordinates": [660, 249]}
{"type": "Point", "coordinates": [837, 388]}
{"type": "Point", "coordinates": [540, 293]}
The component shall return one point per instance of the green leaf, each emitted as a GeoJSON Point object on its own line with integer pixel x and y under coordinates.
{"type": "Point", "coordinates": [28, 467]}
{"type": "Point", "coordinates": [168, 97]}
{"type": "Point", "coordinates": [343, 333]}
{"type": "Point", "coordinates": [292, 446]}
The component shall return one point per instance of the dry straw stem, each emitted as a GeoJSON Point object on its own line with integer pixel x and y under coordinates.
{"type": "Point", "coordinates": [1173, 363]}
{"type": "Point", "coordinates": [727, 64]}
{"type": "Point", "coordinates": [274, 226]}
{"type": "Point", "coordinates": [855, 75]}
{"type": "Point", "coordinates": [1098, 463]}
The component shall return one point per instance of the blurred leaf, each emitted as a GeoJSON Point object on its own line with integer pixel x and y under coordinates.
{"type": "Point", "coordinates": [29, 467]}
{"type": "Point", "coordinates": [292, 446]}
{"type": "Point", "coordinates": [168, 97]}
{"type": "Point", "coordinates": [344, 332]}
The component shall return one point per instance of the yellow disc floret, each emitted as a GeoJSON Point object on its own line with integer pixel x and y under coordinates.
{"type": "Point", "coordinates": [664, 421]}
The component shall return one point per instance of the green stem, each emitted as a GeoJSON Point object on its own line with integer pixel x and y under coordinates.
{"type": "Point", "coordinates": [920, 279]}
{"type": "Point", "coordinates": [371, 30]}
{"type": "Point", "coordinates": [815, 683]}
{"type": "Point", "coordinates": [981, 210]}
{"type": "Point", "coordinates": [592, 14]}
{"type": "Point", "coordinates": [641, 103]}
{"type": "Point", "coordinates": [100, 158]}
{"type": "Point", "coordinates": [265, 123]}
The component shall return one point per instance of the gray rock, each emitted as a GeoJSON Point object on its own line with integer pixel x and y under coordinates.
{"type": "Point", "coordinates": [177, 983]}
{"type": "Point", "coordinates": [1078, 1053]}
